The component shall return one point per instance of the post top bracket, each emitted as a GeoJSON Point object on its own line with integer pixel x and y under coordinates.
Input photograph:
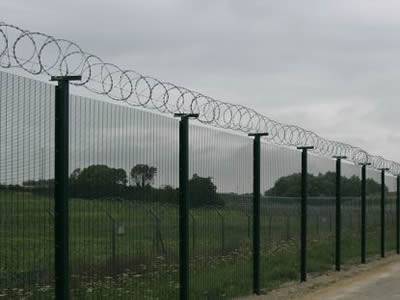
{"type": "Point", "coordinates": [258, 134]}
{"type": "Point", "coordinates": [339, 156]}
{"type": "Point", "coordinates": [66, 78]}
{"type": "Point", "coordinates": [185, 116]}
{"type": "Point", "coordinates": [365, 164]}
{"type": "Point", "coordinates": [305, 147]}
{"type": "Point", "coordinates": [384, 169]}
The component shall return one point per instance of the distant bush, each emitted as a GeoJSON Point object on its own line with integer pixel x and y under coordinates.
{"type": "Point", "coordinates": [203, 192]}
{"type": "Point", "coordinates": [321, 185]}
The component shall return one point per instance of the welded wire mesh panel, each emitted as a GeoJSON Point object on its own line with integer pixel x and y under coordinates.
{"type": "Point", "coordinates": [280, 215]}
{"type": "Point", "coordinates": [351, 213]}
{"type": "Point", "coordinates": [220, 186]}
{"type": "Point", "coordinates": [123, 206]}
{"type": "Point", "coordinates": [373, 213]}
{"type": "Point", "coordinates": [390, 212]}
{"type": "Point", "coordinates": [26, 206]}
{"type": "Point", "coordinates": [321, 214]}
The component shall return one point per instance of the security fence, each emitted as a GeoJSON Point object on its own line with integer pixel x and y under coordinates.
{"type": "Point", "coordinates": [102, 199]}
{"type": "Point", "coordinates": [144, 189]}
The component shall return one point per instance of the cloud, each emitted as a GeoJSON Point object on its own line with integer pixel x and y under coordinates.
{"type": "Point", "coordinates": [327, 66]}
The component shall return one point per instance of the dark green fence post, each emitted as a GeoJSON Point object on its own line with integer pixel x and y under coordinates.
{"type": "Point", "coordinates": [363, 211]}
{"type": "Point", "coordinates": [338, 220]}
{"type": "Point", "coordinates": [383, 211]}
{"type": "Point", "coordinates": [303, 213]}
{"type": "Point", "coordinates": [61, 174]}
{"type": "Point", "coordinates": [398, 216]}
{"type": "Point", "coordinates": [256, 210]}
{"type": "Point", "coordinates": [184, 204]}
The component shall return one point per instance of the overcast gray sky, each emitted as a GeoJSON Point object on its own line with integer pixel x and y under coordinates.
{"type": "Point", "coordinates": [329, 66]}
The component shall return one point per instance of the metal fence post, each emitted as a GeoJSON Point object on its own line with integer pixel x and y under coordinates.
{"type": "Point", "coordinates": [256, 210]}
{"type": "Point", "coordinates": [338, 220]}
{"type": "Point", "coordinates": [398, 215]}
{"type": "Point", "coordinates": [184, 204]}
{"type": "Point", "coordinates": [61, 174]}
{"type": "Point", "coordinates": [363, 211]}
{"type": "Point", "coordinates": [383, 211]}
{"type": "Point", "coordinates": [303, 221]}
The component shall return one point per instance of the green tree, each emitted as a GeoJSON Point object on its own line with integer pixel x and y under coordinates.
{"type": "Point", "coordinates": [98, 181]}
{"type": "Point", "coordinates": [74, 175]}
{"type": "Point", "coordinates": [143, 174]}
{"type": "Point", "coordinates": [203, 192]}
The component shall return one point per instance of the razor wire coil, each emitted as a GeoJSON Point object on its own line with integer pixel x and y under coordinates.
{"type": "Point", "coordinates": [39, 53]}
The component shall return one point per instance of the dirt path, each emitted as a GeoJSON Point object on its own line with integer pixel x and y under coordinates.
{"type": "Point", "coordinates": [379, 279]}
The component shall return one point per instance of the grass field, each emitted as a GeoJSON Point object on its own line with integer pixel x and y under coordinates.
{"type": "Point", "coordinates": [129, 249]}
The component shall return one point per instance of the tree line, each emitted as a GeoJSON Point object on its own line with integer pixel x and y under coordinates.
{"type": "Point", "coordinates": [102, 181]}
{"type": "Point", "coordinates": [322, 185]}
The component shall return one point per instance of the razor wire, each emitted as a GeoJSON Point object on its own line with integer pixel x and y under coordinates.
{"type": "Point", "coordinates": [41, 54]}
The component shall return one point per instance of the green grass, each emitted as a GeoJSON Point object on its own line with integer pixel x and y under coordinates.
{"type": "Point", "coordinates": [145, 261]}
